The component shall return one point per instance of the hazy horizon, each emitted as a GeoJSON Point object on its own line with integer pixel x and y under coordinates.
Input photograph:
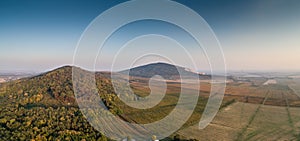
{"type": "Point", "coordinates": [254, 35]}
{"type": "Point", "coordinates": [207, 71]}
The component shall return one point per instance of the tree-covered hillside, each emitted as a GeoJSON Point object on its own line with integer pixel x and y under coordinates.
{"type": "Point", "coordinates": [44, 107]}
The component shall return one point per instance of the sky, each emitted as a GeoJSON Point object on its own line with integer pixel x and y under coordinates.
{"type": "Point", "coordinates": [256, 35]}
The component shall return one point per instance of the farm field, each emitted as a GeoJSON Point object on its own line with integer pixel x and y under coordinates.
{"type": "Point", "coordinates": [244, 121]}
{"type": "Point", "coordinates": [226, 125]}
{"type": "Point", "coordinates": [294, 85]}
{"type": "Point", "coordinates": [265, 112]}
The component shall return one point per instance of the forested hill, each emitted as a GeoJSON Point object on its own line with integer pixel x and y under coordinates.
{"type": "Point", "coordinates": [167, 71]}
{"type": "Point", "coordinates": [53, 88]}
{"type": "Point", "coordinates": [44, 107]}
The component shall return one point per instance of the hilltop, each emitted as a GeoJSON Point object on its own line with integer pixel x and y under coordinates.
{"type": "Point", "coordinates": [53, 88]}
{"type": "Point", "coordinates": [167, 71]}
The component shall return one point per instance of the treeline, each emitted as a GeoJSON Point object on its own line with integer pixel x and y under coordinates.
{"type": "Point", "coordinates": [42, 124]}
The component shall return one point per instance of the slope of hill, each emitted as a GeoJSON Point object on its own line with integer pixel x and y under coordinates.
{"type": "Point", "coordinates": [43, 107]}
{"type": "Point", "coordinates": [53, 88]}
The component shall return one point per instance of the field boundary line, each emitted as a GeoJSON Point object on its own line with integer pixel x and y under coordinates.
{"type": "Point", "coordinates": [240, 135]}
{"type": "Point", "coordinates": [290, 120]}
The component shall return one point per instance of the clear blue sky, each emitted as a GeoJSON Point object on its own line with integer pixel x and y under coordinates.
{"type": "Point", "coordinates": [255, 35]}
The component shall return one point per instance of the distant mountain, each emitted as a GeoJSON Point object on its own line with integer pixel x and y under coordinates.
{"type": "Point", "coordinates": [167, 71]}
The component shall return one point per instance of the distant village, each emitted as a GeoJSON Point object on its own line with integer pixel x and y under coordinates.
{"type": "Point", "coordinates": [10, 77]}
